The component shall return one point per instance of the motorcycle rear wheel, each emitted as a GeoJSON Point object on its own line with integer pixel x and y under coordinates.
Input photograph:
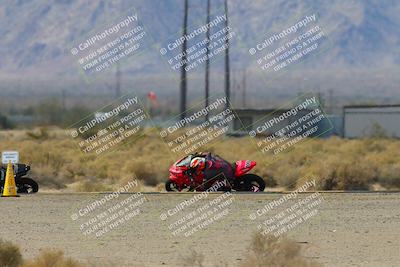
{"type": "Point", "coordinates": [250, 183]}
{"type": "Point", "coordinates": [27, 186]}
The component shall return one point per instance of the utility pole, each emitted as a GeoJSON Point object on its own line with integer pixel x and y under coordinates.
{"type": "Point", "coordinates": [235, 87]}
{"type": "Point", "coordinates": [117, 81]}
{"type": "Point", "coordinates": [244, 88]}
{"type": "Point", "coordinates": [183, 84]}
{"type": "Point", "coordinates": [207, 81]}
{"type": "Point", "coordinates": [330, 100]}
{"type": "Point", "coordinates": [227, 70]}
{"type": "Point", "coordinates": [63, 100]}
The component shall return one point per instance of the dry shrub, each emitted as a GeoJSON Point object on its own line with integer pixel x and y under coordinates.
{"type": "Point", "coordinates": [286, 174]}
{"type": "Point", "coordinates": [142, 169]}
{"type": "Point", "coordinates": [46, 176]}
{"type": "Point", "coordinates": [129, 179]}
{"type": "Point", "coordinates": [91, 186]}
{"type": "Point", "coordinates": [340, 173]}
{"type": "Point", "coordinates": [337, 164]}
{"type": "Point", "coordinates": [270, 251]}
{"type": "Point", "coordinates": [92, 263]}
{"type": "Point", "coordinates": [41, 133]}
{"type": "Point", "coordinates": [354, 175]}
{"type": "Point", "coordinates": [390, 176]}
{"type": "Point", "coordinates": [10, 256]}
{"type": "Point", "coordinates": [195, 259]}
{"type": "Point", "coordinates": [149, 169]}
{"type": "Point", "coordinates": [160, 187]}
{"type": "Point", "coordinates": [52, 258]}
{"type": "Point", "coordinates": [334, 162]}
{"type": "Point", "coordinates": [265, 251]}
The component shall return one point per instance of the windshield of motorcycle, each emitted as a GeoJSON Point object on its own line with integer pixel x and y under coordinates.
{"type": "Point", "coordinates": [184, 161]}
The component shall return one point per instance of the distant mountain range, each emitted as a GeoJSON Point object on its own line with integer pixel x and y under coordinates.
{"type": "Point", "coordinates": [37, 35]}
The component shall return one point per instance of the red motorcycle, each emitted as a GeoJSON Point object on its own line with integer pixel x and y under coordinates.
{"type": "Point", "coordinates": [181, 177]}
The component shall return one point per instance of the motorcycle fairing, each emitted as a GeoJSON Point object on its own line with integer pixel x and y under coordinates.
{"type": "Point", "coordinates": [244, 166]}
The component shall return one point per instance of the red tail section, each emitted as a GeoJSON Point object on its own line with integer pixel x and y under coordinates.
{"type": "Point", "coordinates": [244, 166]}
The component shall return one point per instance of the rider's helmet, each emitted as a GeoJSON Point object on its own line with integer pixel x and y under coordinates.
{"type": "Point", "coordinates": [198, 164]}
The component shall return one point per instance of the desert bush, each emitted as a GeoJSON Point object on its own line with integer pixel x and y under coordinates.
{"type": "Point", "coordinates": [194, 259]}
{"type": "Point", "coordinates": [10, 255]}
{"type": "Point", "coordinates": [264, 251]}
{"type": "Point", "coordinates": [129, 178]}
{"type": "Point", "coordinates": [270, 251]}
{"type": "Point", "coordinates": [377, 131]}
{"type": "Point", "coordinates": [52, 258]}
{"type": "Point", "coordinates": [335, 163]}
{"type": "Point", "coordinates": [287, 175]}
{"type": "Point", "coordinates": [41, 133]}
{"type": "Point", "coordinates": [160, 187]}
{"type": "Point", "coordinates": [389, 176]}
{"type": "Point", "coordinates": [91, 186]}
{"type": "Point", "coordinates": [48, 177]}
{"type": "Point", "coordinates": [143, 171]}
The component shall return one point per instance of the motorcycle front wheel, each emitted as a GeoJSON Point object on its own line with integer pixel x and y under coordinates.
{"type": "Point", "coordinates": [27, 186]}
{"type": "Point", "coordinates": [171, 186]}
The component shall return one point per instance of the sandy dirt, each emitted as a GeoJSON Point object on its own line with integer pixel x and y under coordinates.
{"type": "Point", "coordinates": [349, 229]}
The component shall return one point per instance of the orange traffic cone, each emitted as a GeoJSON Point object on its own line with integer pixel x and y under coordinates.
{"type": "Point", "coordinates": [10, 189]}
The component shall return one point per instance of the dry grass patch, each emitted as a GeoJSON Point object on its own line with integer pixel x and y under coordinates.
{"type": "Point", "coordinates": [52, 258]}
{"type": "Point", "coordinates": [270, 251]}
{"type": "Point", "coordinates": [335, 163]}
{"type": "Point", "coordinates": [10, 256]}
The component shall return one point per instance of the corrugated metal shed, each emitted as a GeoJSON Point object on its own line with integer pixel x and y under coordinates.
{"type": "Point", "coordinates": [364, 121]}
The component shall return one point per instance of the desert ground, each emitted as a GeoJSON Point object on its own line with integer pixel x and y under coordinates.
{"type": "Point", "coordinates": [349, 229]}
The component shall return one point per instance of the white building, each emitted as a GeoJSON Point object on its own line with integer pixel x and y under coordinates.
{"type": "Point", "coordinates": [364, 121]}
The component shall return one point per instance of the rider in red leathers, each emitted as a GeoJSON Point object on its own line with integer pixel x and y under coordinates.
{"type": "Point", "coordinates": [212, 168]}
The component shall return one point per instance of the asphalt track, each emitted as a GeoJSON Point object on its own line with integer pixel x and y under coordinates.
{"type": "Point", "coordinates": [348, 229]}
